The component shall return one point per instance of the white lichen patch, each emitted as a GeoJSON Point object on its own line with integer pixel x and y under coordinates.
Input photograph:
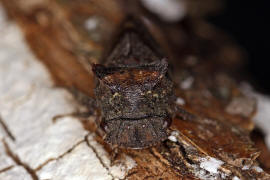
{"type": "Point", "coordinates": [169, 10]}
{"type": "Point", "coordinates": [187, 83]}
{"type": "Point", "coordinates": [180, 101]}
{"type": "Point", "coordinates": [262, 116]}
{"type": "Point", "coordinates": [209, 168]}
{"type": "Point", "coordinates": [246, 167]}
{"type": "Point", "coordinates": [257, 169]}
{"type": "Point", "coordinates": [91, 23]}
{"type": "Point", "coordinates": [173, 136]}
{"type": "Point", "coordinates": [210, 164]}
{"type": "Point", "coordinates": [235, 178]}
{"type": "Point", "coordinates": [241, 106]}
{"type": "Point", "coordinates": [129, 163]}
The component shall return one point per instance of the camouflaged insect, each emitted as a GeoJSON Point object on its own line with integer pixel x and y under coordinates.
{"type": "Point", "coordinates": [134, 92]}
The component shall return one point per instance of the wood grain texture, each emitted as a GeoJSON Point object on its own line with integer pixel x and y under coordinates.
{"type": "Point", "coordinates": [207, 140]}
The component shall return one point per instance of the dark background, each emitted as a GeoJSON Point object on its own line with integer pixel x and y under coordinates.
{"type": "Point", "coordinates": [247, 22]}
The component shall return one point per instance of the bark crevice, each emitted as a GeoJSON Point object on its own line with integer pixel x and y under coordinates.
{"type": "Point", "coordinates": [17, 160]}
{"type": "Point", "coordinates": [99, 158]}
{"type": "Point", "coordinates": [6, 129]}
{"type": "Point", "coordinates": [59, 157]}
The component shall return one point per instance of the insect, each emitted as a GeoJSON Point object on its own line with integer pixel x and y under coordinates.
{"type": "Point", "coordinates": [134, 91]}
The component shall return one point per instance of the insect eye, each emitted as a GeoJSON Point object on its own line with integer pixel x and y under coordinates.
{"type": "Point", "coordinates": [116, 94]}
{"type": "Point", "coordinates": [104, 126]}
{"type": "Point", "coordinates": [166, 122]}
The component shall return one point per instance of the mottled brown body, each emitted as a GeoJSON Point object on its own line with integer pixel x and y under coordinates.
{"type": "Point", "coordinates": [134, 92]}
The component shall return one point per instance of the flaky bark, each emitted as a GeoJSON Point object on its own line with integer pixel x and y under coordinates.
{"type": "Point", "coordinates": [209, 139]}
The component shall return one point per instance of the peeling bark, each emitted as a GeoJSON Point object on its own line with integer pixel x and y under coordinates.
{"type": "Point", "coordinates": [209, 138]}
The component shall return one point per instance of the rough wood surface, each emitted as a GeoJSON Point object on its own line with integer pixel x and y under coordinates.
{"type": "Point", "coordinates": [209, 140]}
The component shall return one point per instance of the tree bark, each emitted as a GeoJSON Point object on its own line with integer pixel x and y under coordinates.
{"type": "Point", "coordinates": [40, 139]}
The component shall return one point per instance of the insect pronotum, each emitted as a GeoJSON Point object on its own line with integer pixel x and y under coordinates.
{"type": "Point", "coordinates": [134, 90]}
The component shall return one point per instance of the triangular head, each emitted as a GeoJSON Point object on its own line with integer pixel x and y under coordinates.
{"type": "Point", "coordinates": [132, 45]}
